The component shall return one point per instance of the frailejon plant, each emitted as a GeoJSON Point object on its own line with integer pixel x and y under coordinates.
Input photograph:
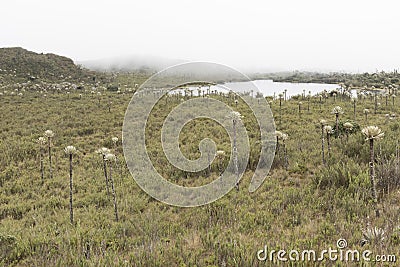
{"type": "Point", "coordinates": [220, 154]}
{"type": "Point", "coordinates": [323, 123]}
{"type": "Point", "coordinates": [386, 95]}
{"type": "Point", "coordinates": [300, 103]}
{"type": "Point", "coordinates": [115, 141]}
{"type": "Point", "coordinates": [373, 133]}
{"type": "Point", "coordinates": [70, 151]}
{"type": "Point", "coordinates": [337, 111]}
{"type": "Point", "coordinates": [235, 117]}
{"type": "Point", "coordinates": [103, 152]}
{"type": "Point", "coordinates": [280, 136]}
{"type": "Point", "coordinates": [49, 134]}
{"type": "Point", "coordinates": [285, 156]}
{"type": "Point", "coordinates": [373, 236]}
{"type": "Point", "coordinates": [354, 101]}
{"type": "Point", "coordinates": [280, 107]}
{"type": "Point", "coordinates": [111, 158]}
{"type": "Point", "coordinates": [42, 142]}
{"type": "Point", "coordinates": [329, 131]}
{"type": "Point", "coordinates": [366, 112]}
{"type": "Point", "coordinates": [348, 126]}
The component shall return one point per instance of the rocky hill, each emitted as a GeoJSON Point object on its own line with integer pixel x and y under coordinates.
{"type": "Point", "coordinates": [19, 63]}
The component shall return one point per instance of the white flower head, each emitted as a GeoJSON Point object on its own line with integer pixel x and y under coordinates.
{"type": "Point", "coordinates": [103, 151]}
{"type": "Point", "coordinates": [114, 140]}
{"type": "Point", "coordinates": [373, 132]}
{"type": "Point", "coordinates": [49, 133]}
{"type": "Point", "coordinates": [235, 116]}
{"type": "Point", "coordinates": [323, 122]}
{"type": "Point", "coordinates": [337, 110]}
{"type": "Point", "coordinates": [220, 153]}
{"type": "Point", "coordinates": [328, 129]}
{"type": "Point", "coordinates": [348, 126]}
{"type": "Point", "coordinates": [70, 150]}
{"type": "Point", "coordinates": [278, 134]}
{"type": "Point", "coordinates": [366, 111]}
{"type": "Point", "coordinates": [281, 136]}
{"type": "Point", "coordinates": [110, 157]}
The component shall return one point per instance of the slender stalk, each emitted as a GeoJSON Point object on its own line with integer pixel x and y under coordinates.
{"type": "Point", "coordinates": [50, 169]}
{"type": "Point", "coordinates": [41, 163]}
{"type": "Point", "coordinates": [105, 174]}
{"type": "Point", "coordinates": [71, 211]}
{"type": "Point", "coordinates": [280, 110]}
{"type": "Point", "coordinates": [337, 124]}
{"type": "Point", "coordinates": [277, 146]}
{"type": "Point", "coordinates": [113, 193]}
{"type": "Point", "coordinates": [285, 157]}
{"type": "Point", "coordinates": [372, 175]}
{"type": "Point", "coordinates": [397, 158]}
{"type": "Point", "coordinates": [235, 158]}
{"type": "Point", "coordinates": [329, 143]}
{"type": "Point", "coordinates": [209, 163]}
{"type": "Point", "coordinates": [322, 144]}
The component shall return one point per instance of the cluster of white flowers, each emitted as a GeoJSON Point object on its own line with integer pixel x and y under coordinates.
{"type": "Point", "coordinates": [220, 153]}
{"type": "Point", "coordinates": [110, 157]}
{"type": "Point", "coordinates": [373, 132]}
{"type": "Point", "coordinates": [114, 140]}
{"type": "Point", "coordinates": [328, 129]}
{"type": "Point", "coordinates": [49, 133]}
{"type": "Point", "coordinates": [235, 116]}
{"type": "Point", "coordinates": [281, 136]}
{"type": "Point", "coordinates": [103, 151]}
{"type": "Point", "coordinates": [337, 110]}
{"type": "Point", "coordinates": [70, 150]}
{"type": "Point", "coordinates": [348, 126]}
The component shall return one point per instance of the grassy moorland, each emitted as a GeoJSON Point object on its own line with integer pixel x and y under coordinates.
{"type": "Point", "coordinates": [302, 204]}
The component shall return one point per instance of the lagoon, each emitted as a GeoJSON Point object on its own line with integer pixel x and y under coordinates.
{"type": "Point", "coordinates": [269, 87]}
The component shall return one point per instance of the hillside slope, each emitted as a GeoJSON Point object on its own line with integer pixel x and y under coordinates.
{"type": "Point", "coordinates": [20, 63]}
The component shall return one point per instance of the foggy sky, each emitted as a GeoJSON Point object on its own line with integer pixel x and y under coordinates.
{"type": "Point", "coordinates": [248, 35]}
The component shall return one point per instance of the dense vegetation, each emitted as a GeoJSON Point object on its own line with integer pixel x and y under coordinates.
{"type": "Point", "coordinates": [376, 79]}
{"type": "Point", "coordinates": [302, 204]}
